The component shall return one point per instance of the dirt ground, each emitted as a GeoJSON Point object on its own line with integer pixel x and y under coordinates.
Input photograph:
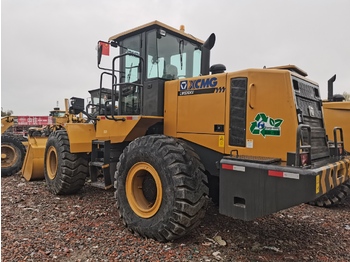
{"type": "Point", "coordinates": [39, 226]}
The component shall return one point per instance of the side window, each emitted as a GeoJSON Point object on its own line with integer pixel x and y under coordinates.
{"type": "Point", "coordinates": [132, 64]}
{"type": "Point", "coordinates": [180, 62]}
{"type": "Point", "coordinates": [155, 67]}
{"type": "Point", "coordinates": [130, 98]}
{"type": "Point", "coordinates": [196, 62]}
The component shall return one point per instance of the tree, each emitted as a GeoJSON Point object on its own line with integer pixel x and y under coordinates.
{"type": "Point", "coordinates": [6, 113]}
{"type": "Point", "coordinates": [347, 96]}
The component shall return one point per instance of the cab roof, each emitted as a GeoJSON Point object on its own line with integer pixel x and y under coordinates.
{"type": "Point", "coordinates": [151, 25]}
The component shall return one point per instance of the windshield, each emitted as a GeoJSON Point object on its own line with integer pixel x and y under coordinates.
{"type": "Point", "coordinates": [58, 113]}
{"type": "Point", "coordinates": [171, 57]}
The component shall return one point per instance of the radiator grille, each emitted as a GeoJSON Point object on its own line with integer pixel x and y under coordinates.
{"type": "Point", "coordinates": [238, 102]}
{"type": "Point", "coordinates": [309, 107]}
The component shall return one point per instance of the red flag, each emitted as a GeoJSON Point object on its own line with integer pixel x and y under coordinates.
{"type": "Point", "coordinates": [105, 48]}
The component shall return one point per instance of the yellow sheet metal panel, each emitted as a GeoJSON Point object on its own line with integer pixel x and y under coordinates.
{"type": "Point", "coordinates": [171, 89]}
{"type": "Point", "coordinates": [207, 140]}
{"type": "Point", "coordinates": [80, 136]}
{"type": "Point", "coordinates": [271, 121]}
{"type": "Point", "coordinates": [142, 126]}
{"type": "Point", "coordinates": [337, 114]}
{"type": "Point", "coordinates": [201, 104]}
{"type": "Point", "coordinates": [116, 131]}
{"type": "Point", "coordinates": [127, 130]}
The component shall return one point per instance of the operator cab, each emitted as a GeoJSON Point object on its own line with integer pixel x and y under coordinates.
{"type": "Point", "coordinates": [148, 56]}
{"type": "Point", "coordinates": [56, 112]}
{"type": "Point", "coordinates": [101, 101]}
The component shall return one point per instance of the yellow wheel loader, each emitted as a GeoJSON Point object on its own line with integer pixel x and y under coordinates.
{"type": "Point", "coordinates": [12, 149]}
{"type": "Point", "coordinates": [336, 114]}
{"type": "Point", "coordinates": [33, 164]}
{"type": "Point", "coordinates": [176, 131]}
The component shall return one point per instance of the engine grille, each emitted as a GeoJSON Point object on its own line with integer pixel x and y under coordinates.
{"type": "Point", "coordinates": [309, 109]}
{"type": "Point", "coordinates": [238, 101]}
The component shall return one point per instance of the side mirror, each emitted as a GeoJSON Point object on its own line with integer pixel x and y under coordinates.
{"type": "Point", "coordinates": [99, 53]}
{"type": "Point", "coordinates": [102, 49]}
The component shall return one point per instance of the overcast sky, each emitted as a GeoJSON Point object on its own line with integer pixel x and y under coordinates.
{"type": "Point", "coordinates": [48, 46]}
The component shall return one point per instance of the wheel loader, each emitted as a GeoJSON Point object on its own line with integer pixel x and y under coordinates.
{"type": "Point", "coordinates": [12, 149]}
{"type": "Point", "coordinates": [336, 114]}
{"type": "Point", "coordinates": [177, 131]}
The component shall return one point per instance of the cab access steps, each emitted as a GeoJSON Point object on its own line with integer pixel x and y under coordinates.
{"type": "Point", "coordinates": [99, 166]}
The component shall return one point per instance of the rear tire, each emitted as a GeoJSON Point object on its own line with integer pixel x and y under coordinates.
{"type": "Point", "coordinates": [161, 188]}
{"type": "Point", "coordinates": [13, 152]}
{"type": "Point", "coordinates": [64, 172]}
{"type": "Point", "coordinates": [333, 197]}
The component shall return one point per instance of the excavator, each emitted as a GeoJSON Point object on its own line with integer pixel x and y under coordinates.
{"type": "Point", "coordinates": [176, 131]}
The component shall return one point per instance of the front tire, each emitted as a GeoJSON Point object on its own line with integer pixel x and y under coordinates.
{"type": "Point", "coordinates": [161, 188]}
{"type": "Point", "coordinates": [64, 172]}
{"type": "Point", "coordinates": [12, 155]}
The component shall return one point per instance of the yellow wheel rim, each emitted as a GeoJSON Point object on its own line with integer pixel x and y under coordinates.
{"type": "Point", "coordinates": [8, 156]}
{"type": "Point", "coordinates": [144, 190]}
{"type": "Point", "coordinates": [51, 162]}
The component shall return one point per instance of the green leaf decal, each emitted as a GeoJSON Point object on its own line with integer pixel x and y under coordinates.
{"type": "Point", "coordinates": [272, 122]}
{"type": "Point", "coordinates": [278, 122]}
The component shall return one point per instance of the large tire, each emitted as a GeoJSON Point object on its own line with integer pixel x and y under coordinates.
{"type": "Point", "coordinates": [12, 155]}
{"type": "Point", "coordinates": [161, 188]}
{"type": "Point", "coordinates": [64, 172]}
{"type": "Point", "coordinates": [333, 197]}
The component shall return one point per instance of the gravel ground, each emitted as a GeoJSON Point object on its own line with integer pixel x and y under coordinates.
{"type": "Point", "coordinates": [38, 226]}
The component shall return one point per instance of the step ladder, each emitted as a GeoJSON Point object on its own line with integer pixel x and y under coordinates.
{"type": "Point", "coordinates": [99, 165]}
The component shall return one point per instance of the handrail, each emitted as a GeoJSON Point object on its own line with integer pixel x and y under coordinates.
{"type": "Point", "coordinates": [300, 143]}
{"type": "Point", "coordinates": [341, 142]}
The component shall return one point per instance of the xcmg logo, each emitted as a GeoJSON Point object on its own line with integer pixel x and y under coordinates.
{"type": "Point", "coordinates": [199, 83]}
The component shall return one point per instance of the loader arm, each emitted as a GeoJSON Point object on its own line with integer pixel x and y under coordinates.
{"type": "Point", "coordinates": [6, 123]}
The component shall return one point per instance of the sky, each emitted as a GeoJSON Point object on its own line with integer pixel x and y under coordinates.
{"type": "Point", "coordinates": [48, 48]}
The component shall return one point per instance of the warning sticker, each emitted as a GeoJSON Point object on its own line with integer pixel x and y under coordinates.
{"type": "Point", "coordinates": [221, 141]}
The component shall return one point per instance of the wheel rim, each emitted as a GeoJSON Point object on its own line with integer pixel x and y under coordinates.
{"type": "Point", "coordinates": [144, 190]}
{"type": "Point", "coordinates": [51, 162]}
{"type": "Point", "coordinates": [8, 156]}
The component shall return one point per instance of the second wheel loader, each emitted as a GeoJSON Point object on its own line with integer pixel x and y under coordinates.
{"type": "Point", "coordinates": [12, 149]}
{"type": "Point", "coordinates": [177, 130]}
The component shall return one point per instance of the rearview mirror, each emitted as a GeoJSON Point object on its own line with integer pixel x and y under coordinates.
{"type": "Point", "coordinates": [99, 53]}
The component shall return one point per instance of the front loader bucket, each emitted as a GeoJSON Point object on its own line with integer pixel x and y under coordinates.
{"type": "Point", "coordinates": [33, 166]}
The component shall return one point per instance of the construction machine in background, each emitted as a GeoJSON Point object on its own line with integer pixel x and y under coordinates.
{"type": "Point", "coordinates": [14, 143]}
{"type": "Point", "coordinates": [337, 114]}
{"type": "Point", "coordinates": [176, 131]}
{"type": "Point", "coordinates": [33, 164]}
{"type": "Point", "coordinates": [336, 110]}
{"type": "Point", "coordinates": [337, 123]}
{"type": "Point", "coordinates": [12, 149]}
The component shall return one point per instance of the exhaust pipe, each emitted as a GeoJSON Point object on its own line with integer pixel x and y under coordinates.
{"type": "Point", "coordinates": [206, 47]}
{"type": "Point", "coordinates": [330, 87]}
